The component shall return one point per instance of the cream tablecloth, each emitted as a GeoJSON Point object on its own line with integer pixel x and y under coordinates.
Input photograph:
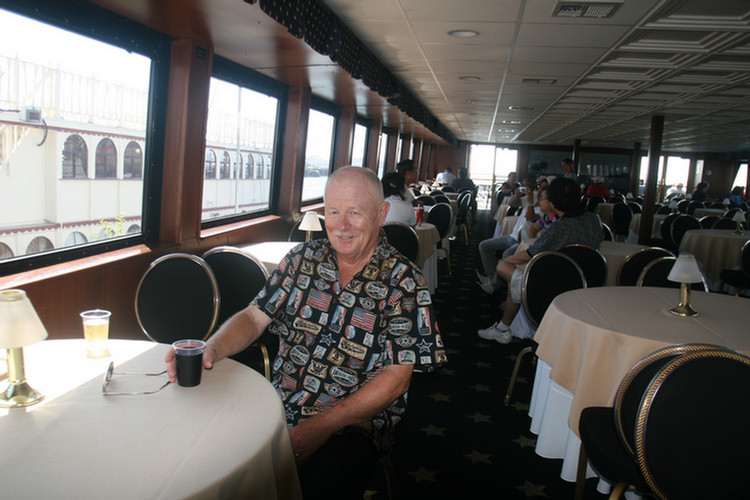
{"type": "Point", "coordinates": [589, 339]}
{"type": "Point", "coordinates": [615, 252]}
{"type": "Point", "coordinates": [715, 249]}
{"type": "Point", "coordinates": [270, 253]}
{"type": "Point", "coordinates": [635, 226]}
{"type": "Point", "coordinates": [702, 212]}
{"type": "Point", "coordinates": [226, 438]}
{"type": "Point", "coordinates": [427, 258]}
{"type": "Point", "coordinates": [604, 211]}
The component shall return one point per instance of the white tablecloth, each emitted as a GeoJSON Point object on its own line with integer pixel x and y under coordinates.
{"type": "Point", "coordinates": [226, 438]}
{"type": "Point", "coordinates": [589, 339]}
{"type": "Point", "coordinates": [427, 259]}
{"type": "Point", "coordinates": [715, 249]}
{"type": "Point", "coordinates": [270, 253]}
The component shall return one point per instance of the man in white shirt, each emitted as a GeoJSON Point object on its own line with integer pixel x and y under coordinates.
{"type": "Point", "coordinates": [446, 176]}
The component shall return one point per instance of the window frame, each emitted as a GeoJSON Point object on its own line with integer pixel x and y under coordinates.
{"type": "Point", "coordinates": [367, 123]}
{"type": "Point", "coordinates": [104, 26]}
{"type": "Point", "coordinates": [321, 105]}
{"type": "Point", "coordinates": [239, 75]}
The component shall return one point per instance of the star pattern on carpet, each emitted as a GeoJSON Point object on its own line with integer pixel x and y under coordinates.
{"type": "Point", "coordinates": [479, 417]}
{"type": "Point", "coordinates": [477, 457]}
{"type": "Point", "coordinates": [481, 388]}
{"type": "Point", "coordinates": [432, 430]}
{"type": "Point", "coordinates": [439, 397]}
{"type": "Point", "coordinates": [447, 371]}
{"type": "Point", "coordinates": [525, 442]}
{"type": "Point", "coordinates": [532, 490]}
{"type": "Point", "coordinates": [422, 474]}
{"type": "Point", "coordinates": [481, 364]}
{"type": "Point", "coordinates": [520, 406]}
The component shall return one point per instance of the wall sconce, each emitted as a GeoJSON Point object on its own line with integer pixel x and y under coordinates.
{"type": "Point", "coordinates": [310, 223]}
{"type": "Point", "coordinates": [685, 271]}
{"type": "Point", "coordinates": [19, 326]}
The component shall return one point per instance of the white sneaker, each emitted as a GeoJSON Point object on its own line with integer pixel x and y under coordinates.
{"type": "Point", "coordinates": [495, 333]}
{"type": "Point", "coordinates": [485, 283]}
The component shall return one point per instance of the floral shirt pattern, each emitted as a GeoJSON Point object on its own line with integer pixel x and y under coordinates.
{"type": "Point", "coordinates": [333, 339]}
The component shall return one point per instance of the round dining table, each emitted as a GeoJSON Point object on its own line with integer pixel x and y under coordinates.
{"type": "Point", "coordinates": [427, 258]}
{"type": "Point", "coordinates": [225, 438]}
{"type": "Point", "coordinates": [715, 250]}
{"type": "Point", "coordinates": [590, 338]}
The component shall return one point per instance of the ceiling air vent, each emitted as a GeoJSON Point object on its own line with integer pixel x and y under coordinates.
{"type": "Point", "coordinates": [586, 8]}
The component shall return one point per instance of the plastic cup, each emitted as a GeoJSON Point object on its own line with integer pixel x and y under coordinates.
{"type": "Point", "coordinates": [96, 332]}
{"type": "Point", "coordinates": [189, 359]}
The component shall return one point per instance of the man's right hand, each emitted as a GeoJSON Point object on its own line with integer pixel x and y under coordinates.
{"type": "Point", "coordinates": [209, 355]}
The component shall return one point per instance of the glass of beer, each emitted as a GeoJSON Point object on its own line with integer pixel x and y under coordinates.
{"type": "Point", "coordinates": [96, 332]}
{"type": "Point", "coordinates": [188, 355]}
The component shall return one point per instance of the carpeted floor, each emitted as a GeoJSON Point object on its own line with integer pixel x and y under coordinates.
{"type": "Point", "coordinates": [458, 440]}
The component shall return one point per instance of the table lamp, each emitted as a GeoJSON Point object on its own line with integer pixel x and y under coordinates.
{"type": "Point", "coordinates": [685, 271]}
{"type": "Point", "coordinates": [739, 218]}
{"type": "Point", "coordinates": [673, 204]}
{"type": "Point", "coordinates": [726, 202]}
{"type": "Point", "coordinates": [310, 223]}
{"type": "Point", "coordinates": [19, 326]}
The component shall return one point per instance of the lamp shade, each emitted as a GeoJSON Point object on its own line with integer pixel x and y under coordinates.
{"type": "Point", "coordinates": [726, 201]}
{"type": "Point", "coordinates": [673, 203]}
{"type": "Point", "coordinates": [739, 217]}
{"type": "Point", "coordinates": [685, 270]}
{"type": "Point", "coordinates": [310, 222]}
{"type": "Point", "coordinates": [19, 323]}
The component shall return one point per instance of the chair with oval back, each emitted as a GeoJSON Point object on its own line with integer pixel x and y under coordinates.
{"type": "Point", "coordinates": [590, 260]}
{"type": "Point", "coordinates": [723, 223]}
{"type": "Point", "coordinates": [240, 277]}
{"type": "Point", "coordinates": [738, 278]}
{"type": "Point", "coordinates": [665, 230]}
{"type": "Point", "coordinates": [463, 219]}
{"type": "Point", "coordinates": [635, 207]}
{"type": "Point", "coordinates": [441, 216]}
{"type": "Point", "coordinates": [708, 221]}
{"type": "Point", "coordinates": [177, 298]}
{"type": "Point", "coordinates": [682, 206]}
{"type": "Point", "coordinates": [607, 233]}
{"type": "Point", "coordinates": [425, 200]}
{"type": "Point", "coordinates": [692, 205]}
{"type": "Point", "coordinates": [547, 275]}
{"type": "Point", "coordinates": [621, 217]}
{"type": "Point", "coordinates": [691, 436]}
{"type": "Point", "coordinates": [608, 433]}
{"type": "Point", "coordinates": [730, 213]}
{"type": "Point", "coordinates": [682, 224]}
{"type": "Point", "coordinates": [632, 266]}
{"type": "Point", "coordinates": [441, 198]}
{"type": "Point", "coordinates": [403, 238]}
{"type": "Point", "coordinates": [655, 274]}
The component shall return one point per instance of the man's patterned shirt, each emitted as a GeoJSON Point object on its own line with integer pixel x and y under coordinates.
{"type": "Point", "coordinates": [332, 340]}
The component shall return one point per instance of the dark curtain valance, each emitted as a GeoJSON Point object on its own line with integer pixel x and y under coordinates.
{"type": "Point", "coordinates": [313, 22]}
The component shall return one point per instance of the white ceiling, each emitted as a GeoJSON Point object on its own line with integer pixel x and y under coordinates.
{"type": "Point", "coordinates": [688, 60]}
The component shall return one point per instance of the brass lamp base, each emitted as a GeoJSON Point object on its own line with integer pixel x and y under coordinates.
{"type": "Point", "coordinates": [684, 309]}
{"type": "Point", "coordinates": [19, 393]}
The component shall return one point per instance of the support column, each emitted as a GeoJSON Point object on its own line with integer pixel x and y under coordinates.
{"type": "Point", "coordinates": [654, 152]}
{"type": "Point", "coordinates": [294, 144]}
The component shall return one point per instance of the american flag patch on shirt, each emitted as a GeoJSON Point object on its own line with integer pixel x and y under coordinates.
{"type": "Point", "coordinates": [319, 300]}
{"type": "Point", "coordinates": [363, 319]}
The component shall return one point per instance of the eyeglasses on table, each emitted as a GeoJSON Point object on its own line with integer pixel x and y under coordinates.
{"type": "Point", "coordinates": [111, 372]}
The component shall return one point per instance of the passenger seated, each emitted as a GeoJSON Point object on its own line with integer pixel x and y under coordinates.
{"type": "Point", "coordinates": [573, 226]}
{"type": "Point", "coordinates": [394, 192]}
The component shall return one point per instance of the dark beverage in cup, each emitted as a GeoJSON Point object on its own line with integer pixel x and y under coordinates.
{"type": "Point", "coordinates": [189, 360]}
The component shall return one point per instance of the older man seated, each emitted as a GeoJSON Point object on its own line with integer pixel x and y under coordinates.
{"type": "Point", "coordinates": [354, 319]}
{"type": "Point", "coordinates": [574, 225]}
